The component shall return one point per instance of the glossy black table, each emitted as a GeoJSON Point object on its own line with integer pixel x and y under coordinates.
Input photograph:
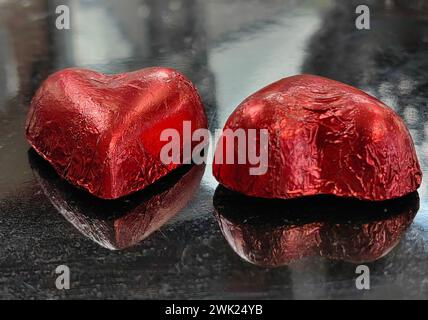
{"type": "Point", "coordinates": [181, 238]}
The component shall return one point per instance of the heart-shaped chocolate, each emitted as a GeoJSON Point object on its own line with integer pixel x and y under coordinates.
{"type": "Point", "coordinates": [324, 137]}
{"type": "Point", "coordinates": [103, 132]}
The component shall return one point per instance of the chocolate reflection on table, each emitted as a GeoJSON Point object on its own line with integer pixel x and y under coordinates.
{"type": "Point", "coordinates": [119, 224]}
{"type": "Point", "coordinates": [274, 233]}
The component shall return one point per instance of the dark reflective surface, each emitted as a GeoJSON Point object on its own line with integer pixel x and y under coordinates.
{"type": "Point", "coordinates": [274, 233]}
{"type": "Point", "coordinates": [120, 224]}
{"type": "Point", "coordinates": [229, 49]}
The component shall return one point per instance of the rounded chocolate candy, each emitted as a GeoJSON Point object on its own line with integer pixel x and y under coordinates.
{"type": "Point", "coordinates": [324, 137]}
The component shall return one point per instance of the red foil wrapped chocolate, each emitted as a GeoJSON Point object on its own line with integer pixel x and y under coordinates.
{"type": "Point", "coordinates": [102, 132]}
{"type": "Point", "coordinates": [325, 137]}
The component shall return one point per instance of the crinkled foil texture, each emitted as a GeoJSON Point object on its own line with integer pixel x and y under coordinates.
{"type": "Point", "coordinates": [102, 132]}
{"type": "Point", "coordinates": [325, 137]}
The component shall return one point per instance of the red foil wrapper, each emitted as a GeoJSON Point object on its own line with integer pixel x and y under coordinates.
{"type": "Point", "coordinates": [274, 233]}
{"type": "Point", "coordinates": [325, 137]}
{"type": "Point", "coordinates": [102, 132]}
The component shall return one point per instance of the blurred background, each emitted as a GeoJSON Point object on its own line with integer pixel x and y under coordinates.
{"type": "Point", "coordinates": [229, 49]}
